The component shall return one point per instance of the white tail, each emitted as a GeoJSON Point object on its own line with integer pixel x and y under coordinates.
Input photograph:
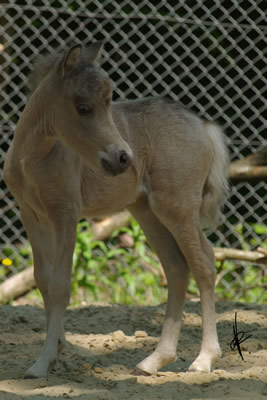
{"type": "Point", "coordinates": [216, 186]}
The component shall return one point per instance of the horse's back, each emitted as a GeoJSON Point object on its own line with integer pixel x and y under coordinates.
{"type": "Point", "coordinates": [172, 137]}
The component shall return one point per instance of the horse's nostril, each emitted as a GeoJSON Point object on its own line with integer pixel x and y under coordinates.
{"type": "Point", "coordinates": [124, 159]}
{"type": "Point", "coordinates": [116, 163]}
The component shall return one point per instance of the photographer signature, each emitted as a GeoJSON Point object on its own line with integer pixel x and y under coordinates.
{"type": "Point", "coordinates": [238, 338]}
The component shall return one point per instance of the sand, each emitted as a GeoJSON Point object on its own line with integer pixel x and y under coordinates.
{"type": "Point", "coordinates": [105, 342]}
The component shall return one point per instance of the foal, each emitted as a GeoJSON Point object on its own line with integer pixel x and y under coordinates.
{"type": "Point", "coordinates": [76, 154]}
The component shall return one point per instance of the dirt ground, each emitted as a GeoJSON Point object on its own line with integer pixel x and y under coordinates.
{"type": "Point", "coordinates": [105, 343]}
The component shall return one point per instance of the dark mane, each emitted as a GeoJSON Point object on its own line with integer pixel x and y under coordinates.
{"type": "Point", "coordinates": [41, 67]}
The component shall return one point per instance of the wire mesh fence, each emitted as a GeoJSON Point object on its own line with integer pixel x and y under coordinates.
{"type": "Point", "coordinates": [209, 55]}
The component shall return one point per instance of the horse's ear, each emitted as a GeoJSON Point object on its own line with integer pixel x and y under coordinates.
{"type": "Point", "coordinates": [70, 60]}
{"type": "Point", "coordinates": [93, 53]}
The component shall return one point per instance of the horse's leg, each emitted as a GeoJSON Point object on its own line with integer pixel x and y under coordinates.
{"type": "Point", "coordinates": [205, 278]}
{"type": "Point", "coordinates": [42, 242]}
{"type": "Point", "coordinates": [53, 245]}
{"type": "Point", "coordinates": [183, 222]}
{"type": "Point", "coordinates": [177, 274]}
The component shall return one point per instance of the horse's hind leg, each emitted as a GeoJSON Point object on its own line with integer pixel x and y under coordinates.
{"type": "Point", "coordinates": [52, 245]}
{"type": "Point", "coordinates": [183, 222]}
{"type": "Point", "coordinates": [205, 278]}
{"type": "Point", "coordinates": [177, 274]}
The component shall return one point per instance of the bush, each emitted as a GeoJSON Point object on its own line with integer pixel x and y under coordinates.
{"type": "Point", "coordinates": [112, 272]}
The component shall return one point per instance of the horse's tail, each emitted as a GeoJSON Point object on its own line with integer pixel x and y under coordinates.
{"type": "Point", "coordinates": [216, 186]}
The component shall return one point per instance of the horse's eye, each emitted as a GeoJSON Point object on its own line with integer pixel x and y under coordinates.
{"type": "Point", "coordinates": [84, 109]}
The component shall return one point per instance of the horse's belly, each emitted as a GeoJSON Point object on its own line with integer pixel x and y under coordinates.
{"type": "Point", "coordinates": [113, 201]}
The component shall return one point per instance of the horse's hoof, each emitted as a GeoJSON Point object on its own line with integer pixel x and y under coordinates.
{"type": "Point", "coordinates": [35, 374]}
{"type": "Point", "coordinates": [139, 372]}
{"type": "Point", "coordinates": [198, 367]}
{"type": "Point", "coordinates": [30, 376]}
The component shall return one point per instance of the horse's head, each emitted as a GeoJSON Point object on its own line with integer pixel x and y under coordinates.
{"type": "Point", "coordinates": [81, 117]}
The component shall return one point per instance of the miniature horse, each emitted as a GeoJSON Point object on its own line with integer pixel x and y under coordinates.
{"type": "Point", "coordinates": [76, 154]}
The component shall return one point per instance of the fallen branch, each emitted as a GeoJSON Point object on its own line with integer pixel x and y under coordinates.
{"type": "Point", "coordinates": [247, 173]}
{"type": "Point", "coordinates": [17, 285]}
{"type": "Point", "coordinates": [257, 257]}
{"type": "Point", "coordinates": [251, 168]}
{"type": "Point", "coordinates": [102, 230]}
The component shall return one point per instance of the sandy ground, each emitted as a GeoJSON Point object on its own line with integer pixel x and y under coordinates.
{"type": "Point", "coordinates": [105, 343]}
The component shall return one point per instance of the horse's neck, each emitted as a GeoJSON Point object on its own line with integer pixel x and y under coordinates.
{"type": "Point", "coordinates": [32, 145]}
{"type": "Point", "coordinates": [34, 136]}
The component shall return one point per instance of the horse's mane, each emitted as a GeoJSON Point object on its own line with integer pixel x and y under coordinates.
{"type": "Point", "coordinates": [44, 64]}
{"type": "Point", "coordinates": [41, 67]}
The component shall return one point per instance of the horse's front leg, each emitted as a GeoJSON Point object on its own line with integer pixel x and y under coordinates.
{"type": "Point", "coordinates": [53, 245]}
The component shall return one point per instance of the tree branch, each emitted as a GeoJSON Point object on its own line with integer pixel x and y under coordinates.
{"type": "Point", "coordinates": [252, 168]}
{"type": "Point", "coordinates": [257, 257]}
{"type": "Point", "coordinates": [17, 285]}
{"type": "Point", "coordinates": [102, 230]}
{"type": "Point", "coordinates": [247, 173]}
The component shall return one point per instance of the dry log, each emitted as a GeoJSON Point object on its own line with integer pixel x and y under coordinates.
{"type": "Point", "coordinates": [103, 230]}
{"type": "Point", "coordinates": [257, 257]}
{"type": "Point", "coordinates": [247, 173]}
{"type": "Point", "coordinates": [252, 168]}
{"type": "Point", "coordinates": [17, 285]}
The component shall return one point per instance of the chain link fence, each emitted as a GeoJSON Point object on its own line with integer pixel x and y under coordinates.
{"type": "Point", "coordinates": [209, 55]}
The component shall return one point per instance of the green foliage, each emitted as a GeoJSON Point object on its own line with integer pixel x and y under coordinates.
{"type": "Point", "coordinates": [235, 280]}
{"type": "Point", "coordinates": [110, 272]}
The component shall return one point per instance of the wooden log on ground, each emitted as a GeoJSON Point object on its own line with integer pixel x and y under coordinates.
{"type": "Point", "coordinates": [17, 285]}
{"type": "Point", "coordinates": [102, 230]}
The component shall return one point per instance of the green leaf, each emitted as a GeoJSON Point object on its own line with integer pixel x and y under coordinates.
{"type": "Point", "coordinates": [260, 229]}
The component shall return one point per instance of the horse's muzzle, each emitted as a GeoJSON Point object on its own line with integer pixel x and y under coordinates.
{"type": "Point", "coordinates": [116, 163]}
